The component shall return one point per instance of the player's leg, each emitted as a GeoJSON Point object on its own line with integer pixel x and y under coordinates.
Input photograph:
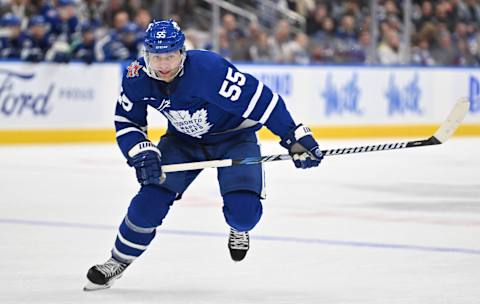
{"type": "Point", "coordinates": [242, 210]}
{"type": "Point", "coordinates": [242, 187]}
{"type": "Point", "coordinates": [146, 212]}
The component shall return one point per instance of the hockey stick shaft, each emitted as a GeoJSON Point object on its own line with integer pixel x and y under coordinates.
{"type": "Point", "coordinates": [443, 133]}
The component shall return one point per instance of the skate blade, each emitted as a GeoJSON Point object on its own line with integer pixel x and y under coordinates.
{"type": "Point", "coordinates": [89, 286]}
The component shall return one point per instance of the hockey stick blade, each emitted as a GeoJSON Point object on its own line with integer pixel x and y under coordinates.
{"type": "Point", "coordinates": [443, 133]}
{"type": "Point", "coordinates": [454, 119]}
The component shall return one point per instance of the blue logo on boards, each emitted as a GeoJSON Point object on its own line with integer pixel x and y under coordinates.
{"type": "Point", "coordinates": [15, 101]}
{"type": "Point", "coordinates": [344, 99]}
{"type": "Point", "coordinates": [474, 94]}
{"type": "Point", "coordinates": [405, 99]}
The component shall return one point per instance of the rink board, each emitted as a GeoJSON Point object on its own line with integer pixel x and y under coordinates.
{"type": "Point", "coordinates": [48, 103]}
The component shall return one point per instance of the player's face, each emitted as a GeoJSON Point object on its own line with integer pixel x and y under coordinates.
{"type": "Point", "coordinates": [165, 65]}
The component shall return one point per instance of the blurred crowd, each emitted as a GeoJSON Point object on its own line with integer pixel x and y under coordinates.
{"type": "Point", "coordinates": [443, 32]}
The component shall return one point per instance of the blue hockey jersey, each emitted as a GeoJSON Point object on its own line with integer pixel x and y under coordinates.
{"type": "Point", "coordinates": [208, 102]}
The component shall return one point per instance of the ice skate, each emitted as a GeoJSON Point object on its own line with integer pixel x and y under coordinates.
{"type": "Point", "coordinates": [104, 275]}
{"type": "Point", "coordinates": [238, 244]}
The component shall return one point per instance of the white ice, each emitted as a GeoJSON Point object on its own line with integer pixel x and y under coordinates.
{"type": "Point", "coordinates": [384, 227]}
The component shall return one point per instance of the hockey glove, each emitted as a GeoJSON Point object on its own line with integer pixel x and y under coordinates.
{"type": "Point", "coordinates": [302, 147]}
{"type": "Point", "coordinates": [146, 159]}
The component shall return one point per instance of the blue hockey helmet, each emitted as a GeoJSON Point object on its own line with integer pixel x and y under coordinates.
{"type": "Point", "coordinates": [163, 37]}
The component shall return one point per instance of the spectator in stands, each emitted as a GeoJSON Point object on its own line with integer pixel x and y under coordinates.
{"type": "Point", "coordinates": [347, 46]}
{"type": "Point", "coordinates": [324, 42]}
{"type": "Point", "coordinates": [121, 45]}
{"type": "Point", "coordinates": [347, 29]}
{"type": "Point", "coordinates": [112, 9]}
{"type": "Point", "coordinates": [389, 8]}
{"type": "Point", "coordinates": [389, 48]}
{"type": "Point", "coordinates": [237, 38]}
{"type": "Point", "coordinates": [129, 36]}
{"type": "Point", "coordinates": [464, 55]}
{"type": "Point", "coordinates": [426, 14]}
{"type": "Point", "coordinates": [338, 31]}
{"type": "Point", "coordinates": [260, 51]}
{"type": "Point", "coordinates": [457, 11]}
{"type": "Point", "coordinates": [350, 8]}
{"type": "Point", "coordinates": [279, 42]}
{"type": "Point", "coordinates": [428, 32]}
{"type": "Point", "coordinates": [394, 22]}
{"type": "Point", "coordinates": [421, 54]}
{"type": "Point", "coordinates": [224, 44]}
{"type": "Point", "coordinates": [442, 14]}
{"type": "Point", "coordinates": [298, 49]}
{"type": "Point", "coordinates": [120, 19]}
{"type": "Point", "coordinates": [84, 48]}
{"type": "Point", "coordinates": [42, 7]}
{"type": "Point", "coordinates": [466, 44]}
{"type": "Point", "coordinates": [473, 40]}
{"type": "Point", "coordinates": [63, 21]}
{"type": "Point", "coordinates": [37, 41]}
{"type": "Point", "coordinates": [11, 42]}
{"type": "Point", "coordinates": [315, 19]}
{"type": "Point", "coordinates": [444, 52]}
{"type": "Point", "coordinates": [142, 19]}
{"type": "Point", "coordinates": [365, 53]}
{"type": "Point", "coordinates": [474, 44]}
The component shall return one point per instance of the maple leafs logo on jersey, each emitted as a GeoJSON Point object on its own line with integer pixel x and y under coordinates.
{"type": "Point", "coordinates": [194, 125]}
{"type": "Point", "coordinates": [133, 68]}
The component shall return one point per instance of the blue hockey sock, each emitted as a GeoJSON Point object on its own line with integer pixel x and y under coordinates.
{"type": "Point", "coordinates": [137, 230]}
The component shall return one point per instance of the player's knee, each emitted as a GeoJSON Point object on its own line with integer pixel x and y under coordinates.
{"type": "Point", "coordinates": [242, 209]}
{"type": "Point", "coordinates": [150, 206]}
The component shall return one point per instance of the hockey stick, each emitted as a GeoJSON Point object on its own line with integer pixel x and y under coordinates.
{"type": "Point", "coordinates": [444, 132]}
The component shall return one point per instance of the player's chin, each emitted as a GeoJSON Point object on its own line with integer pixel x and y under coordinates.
{"type": "Point", "coordinates": [165, 76]}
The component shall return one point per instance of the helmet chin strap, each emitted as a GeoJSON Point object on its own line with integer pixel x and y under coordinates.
{"type": "Point", "coordinates": [151, 72]}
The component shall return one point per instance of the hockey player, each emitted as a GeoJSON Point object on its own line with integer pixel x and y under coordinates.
{"type": "Point", "coordinates": [214, 111]}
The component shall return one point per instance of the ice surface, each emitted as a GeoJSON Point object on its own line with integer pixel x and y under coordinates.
{"type": "Point", "coordinates": [384, 227]}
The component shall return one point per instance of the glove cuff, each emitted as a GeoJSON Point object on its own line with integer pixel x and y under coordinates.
{"type": "Point", "coordinates": [295, 135]}
{"type": "Point", "coordinates": [142, 147]}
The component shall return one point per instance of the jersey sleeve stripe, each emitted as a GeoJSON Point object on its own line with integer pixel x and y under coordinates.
{"type": "Point", "coordinates": [254, 100]}
{"type": "Point", "coordinates": [128, 130]}
{"type": "Point", "coordinates": [119, 118]}
{"type": "Point", "coordinates": [269, 109]}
